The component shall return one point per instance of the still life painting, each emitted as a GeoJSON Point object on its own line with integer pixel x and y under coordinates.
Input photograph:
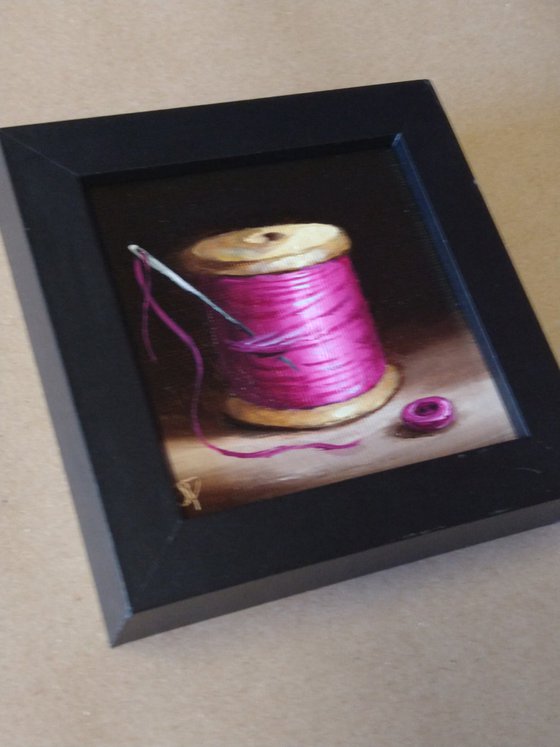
{"type": "Point", "coordinates": [294, 325]}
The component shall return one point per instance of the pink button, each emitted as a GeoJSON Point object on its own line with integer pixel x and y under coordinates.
{"type": "Point", "coordinates": [428, 414]}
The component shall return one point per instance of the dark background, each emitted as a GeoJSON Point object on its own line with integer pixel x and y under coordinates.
{"type": "Point", "coordinates": [363, 192]}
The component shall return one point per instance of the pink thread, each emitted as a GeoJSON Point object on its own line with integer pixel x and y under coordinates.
{"type": "Point", "coordinates": [315, 316]}
{"type": "Point", "coordinates": [142, 275]}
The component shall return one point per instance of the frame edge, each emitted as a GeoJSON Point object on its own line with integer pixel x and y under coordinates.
{"type": "Point", "coordinates": [101, 552]}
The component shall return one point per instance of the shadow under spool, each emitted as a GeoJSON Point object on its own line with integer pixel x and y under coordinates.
{"type": "Point", "coordinates": [242, 272]}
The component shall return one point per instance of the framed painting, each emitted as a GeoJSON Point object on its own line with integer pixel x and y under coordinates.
{"type": "Point", "coordinates": [282, 344]}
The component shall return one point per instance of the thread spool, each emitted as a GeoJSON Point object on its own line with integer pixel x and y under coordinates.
{"type": "Point", "coordinates": [314, 358]}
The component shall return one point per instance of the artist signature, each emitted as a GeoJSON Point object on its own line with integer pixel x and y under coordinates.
{"type": "Point", "coordinates": [190, 488]}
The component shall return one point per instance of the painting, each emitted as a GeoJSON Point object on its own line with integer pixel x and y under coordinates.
{"type": "Point", "coordinates": [294, 324]}
{"type": "Point", "coordinates": [282, 344]}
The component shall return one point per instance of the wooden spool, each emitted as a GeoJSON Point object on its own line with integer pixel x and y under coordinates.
{"type": "Point", "coordinates": [278, 249]}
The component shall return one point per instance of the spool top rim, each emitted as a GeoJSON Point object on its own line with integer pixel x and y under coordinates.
{"type": "Point", "coordinates": [282, 247]}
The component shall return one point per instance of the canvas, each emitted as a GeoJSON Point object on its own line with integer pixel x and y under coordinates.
{"type": "Point", "coordinates": [424, 334]}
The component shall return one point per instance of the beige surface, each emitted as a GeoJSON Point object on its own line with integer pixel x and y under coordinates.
{"type": "Point", "coordinates": [462, 649]}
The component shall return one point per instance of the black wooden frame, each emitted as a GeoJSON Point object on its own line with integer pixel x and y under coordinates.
{"type": "Point", "coordinates": [156, 570]}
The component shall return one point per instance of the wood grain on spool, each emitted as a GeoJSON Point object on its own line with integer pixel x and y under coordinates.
{"type": "Point", "coordinates": [269, 249]}
{"type": "Point", "coordinates": [316, 417]}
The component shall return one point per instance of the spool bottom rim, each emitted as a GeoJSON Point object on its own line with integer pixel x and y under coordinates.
{"type": "Point", "coordinates": [317, 417]}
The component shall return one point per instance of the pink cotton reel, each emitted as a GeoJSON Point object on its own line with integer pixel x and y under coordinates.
{"type": "Point", "coordinates": [307, 353]}
{"type": "Point", "coordinates": [428, 414]}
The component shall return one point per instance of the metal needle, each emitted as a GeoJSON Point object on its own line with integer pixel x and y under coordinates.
{"type": "Point", "coordinates": [154, 263]}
